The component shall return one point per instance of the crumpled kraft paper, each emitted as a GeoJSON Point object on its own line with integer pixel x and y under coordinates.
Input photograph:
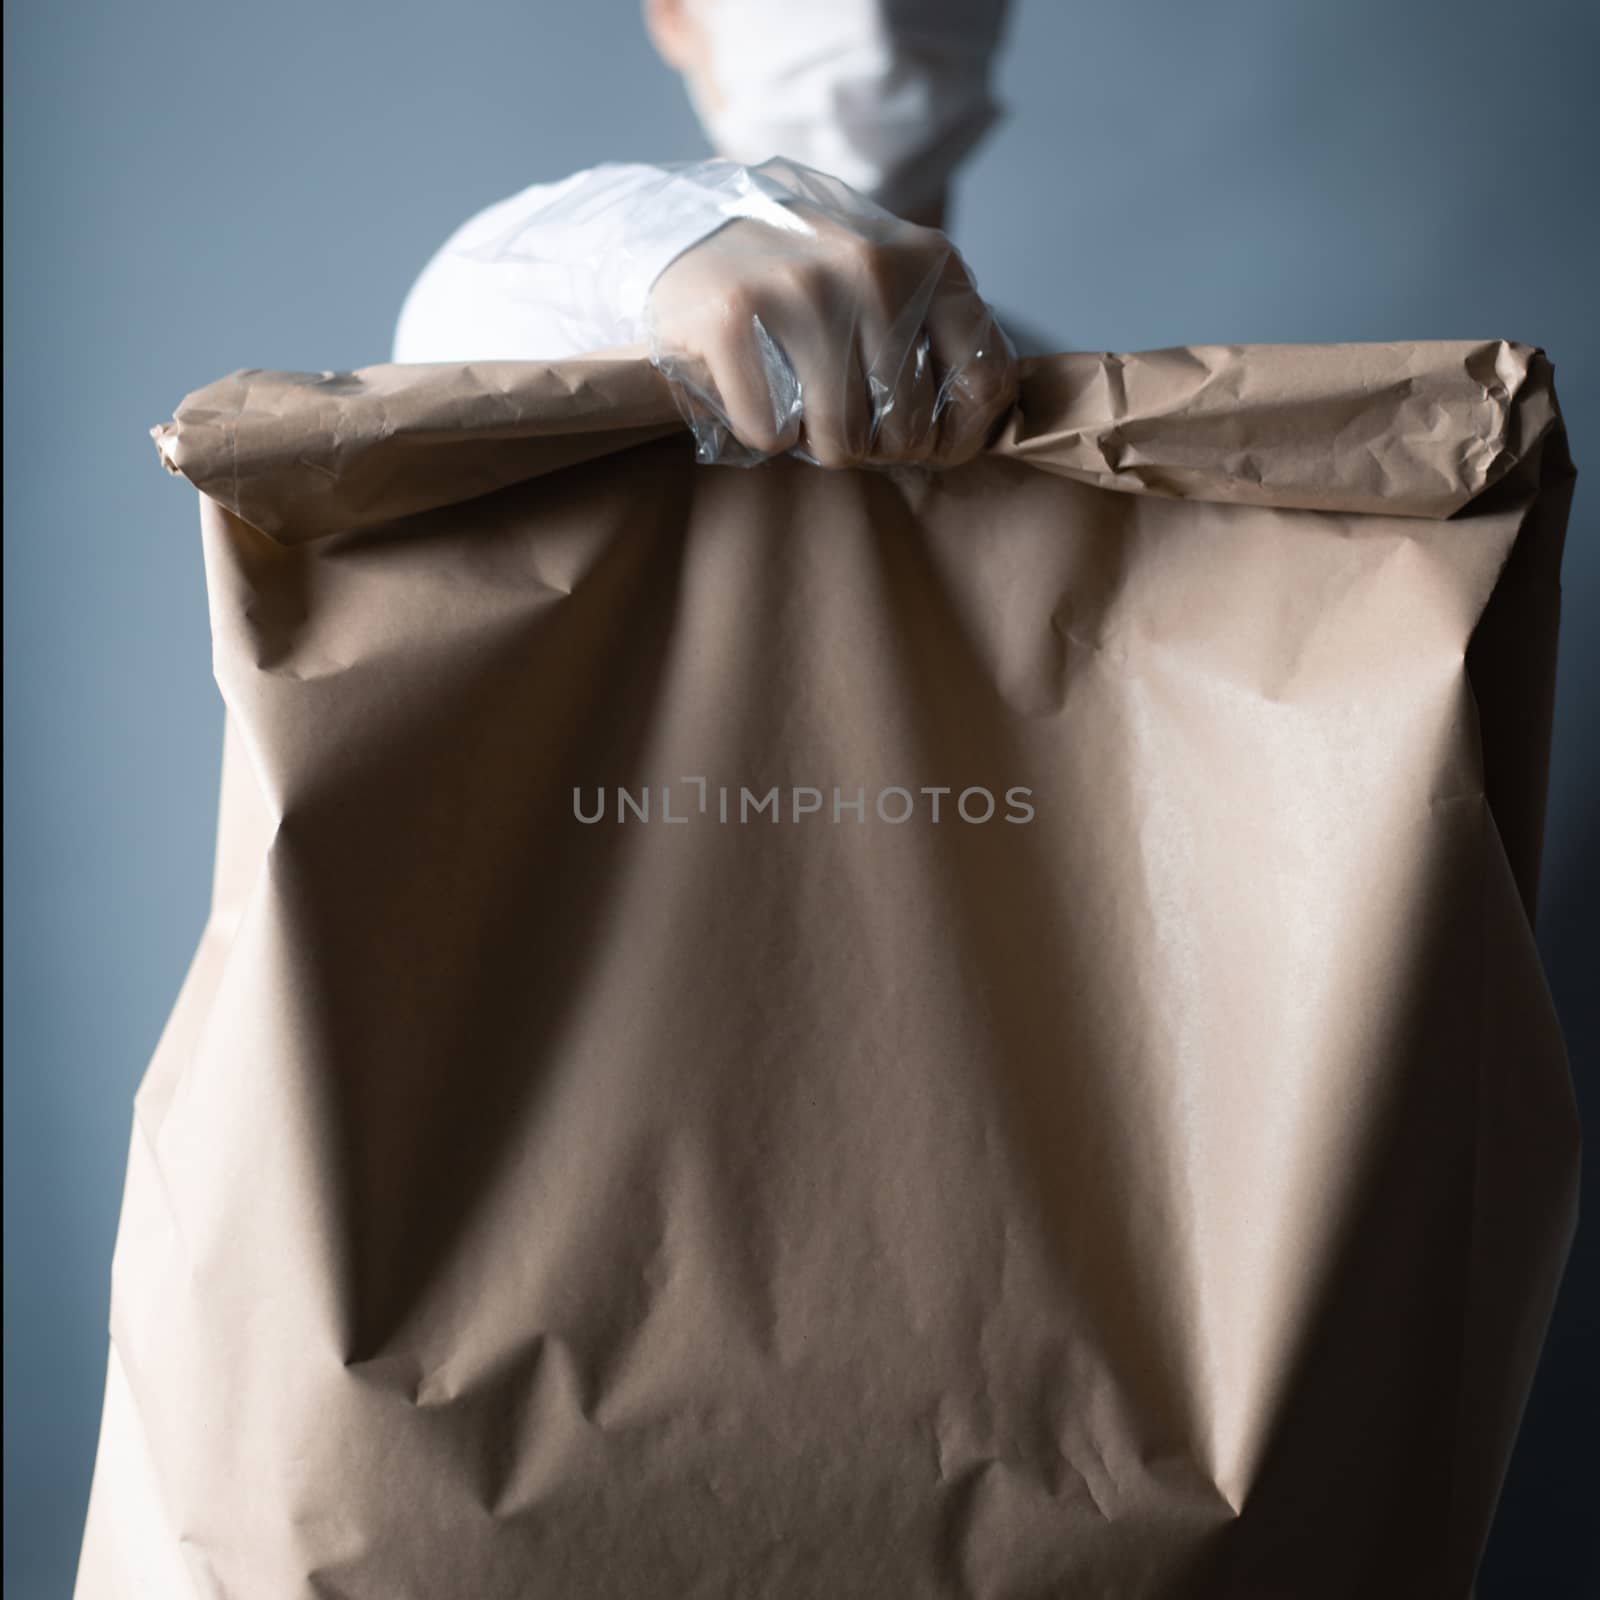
{"type": "Point", "coordinates": [804, 1034]}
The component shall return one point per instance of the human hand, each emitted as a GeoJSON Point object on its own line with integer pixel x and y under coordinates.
{"type": "Point", "coordinates": [830, 328]}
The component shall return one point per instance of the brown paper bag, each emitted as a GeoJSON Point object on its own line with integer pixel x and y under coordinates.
{"type": "Point", "coordinates": [804, 1034]}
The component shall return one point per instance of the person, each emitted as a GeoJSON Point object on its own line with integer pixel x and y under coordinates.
{"type": "Point", "coordinates": [797, 289]}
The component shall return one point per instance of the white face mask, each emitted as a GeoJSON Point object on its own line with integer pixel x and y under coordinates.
{"type": "Point", "coordinates": [888, 95]}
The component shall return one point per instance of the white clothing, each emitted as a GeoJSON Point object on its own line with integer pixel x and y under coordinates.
{"type": "Point", "coordinates": [558, 269]}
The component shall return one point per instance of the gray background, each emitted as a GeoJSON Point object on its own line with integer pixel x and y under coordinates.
{"type": "Point", "coordinates": [192, 188]}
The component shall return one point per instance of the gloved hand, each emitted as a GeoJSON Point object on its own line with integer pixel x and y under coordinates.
{"type": "Point", "coordinates": [820, 324]}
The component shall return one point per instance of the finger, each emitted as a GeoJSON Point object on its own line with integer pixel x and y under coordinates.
{"type": "Point", "coordinates": [898, 285]}
{"type": "Point", "coordinates": [836, 408]}
{"type": "Point", "coordinates": [977, 376]}
{"type": "Point", "coordinates": [689, 382]}
{"type": "Point", "coordinates": [756, 388]}
{"type": "Point", "coordinates": [904, 406]}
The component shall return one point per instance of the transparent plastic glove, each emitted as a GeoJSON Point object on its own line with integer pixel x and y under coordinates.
{"type": "Point", "coordinates": [821, 325]}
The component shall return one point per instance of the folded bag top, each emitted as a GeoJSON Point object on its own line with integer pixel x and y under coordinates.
{"type": "Point", "coordinates": [1403, 429]}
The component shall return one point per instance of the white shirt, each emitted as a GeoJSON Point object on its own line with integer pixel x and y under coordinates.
{"type": "Point", "coordinates": [564, 268]}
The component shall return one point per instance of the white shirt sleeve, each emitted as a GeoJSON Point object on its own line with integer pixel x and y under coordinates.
{"type": "Point", "coordinates": [561, 268]}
